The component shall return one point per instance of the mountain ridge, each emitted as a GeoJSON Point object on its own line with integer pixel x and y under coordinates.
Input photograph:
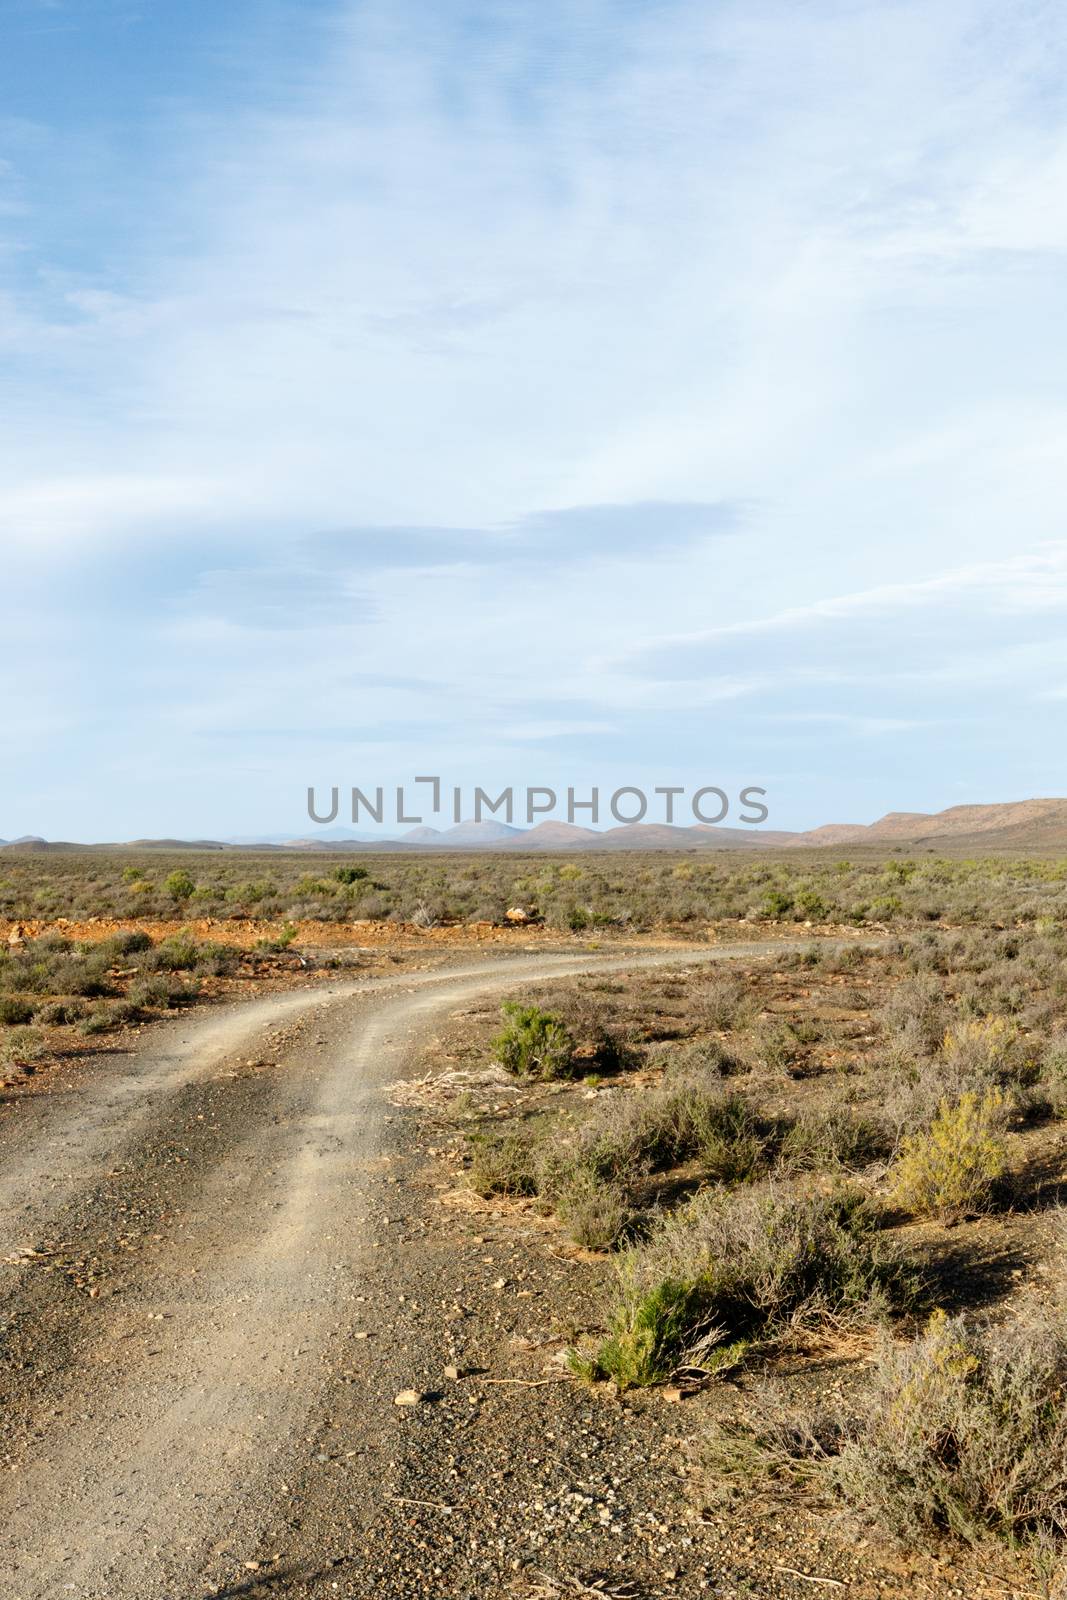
{"type": "Point", "coordinates": [1037, 823]}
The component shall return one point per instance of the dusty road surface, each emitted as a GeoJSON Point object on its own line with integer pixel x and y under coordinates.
{"type": "Point", "coordinates": [186, 1239]}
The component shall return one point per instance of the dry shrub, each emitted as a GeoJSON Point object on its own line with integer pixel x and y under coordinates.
{"type": "Point", "coordinates": [962, 1432]}
{"type": "Point", "coordinates": [965, 1432]}
{"type": "Point", "coordinates": [731, 1270]}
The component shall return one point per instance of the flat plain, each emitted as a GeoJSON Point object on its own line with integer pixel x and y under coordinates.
{"type": "Point", "coordinates": [695, 1231]}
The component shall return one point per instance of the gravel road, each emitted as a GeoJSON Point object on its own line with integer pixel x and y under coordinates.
{"type": "Point", "coordinates": [191, 1235]}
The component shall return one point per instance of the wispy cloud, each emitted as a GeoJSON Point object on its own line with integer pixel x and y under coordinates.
{"type": "Point", "coordinates": [615, 376]}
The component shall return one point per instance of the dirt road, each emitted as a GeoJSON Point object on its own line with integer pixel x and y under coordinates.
{"type": "Point", "coordinates": [193, 1238]}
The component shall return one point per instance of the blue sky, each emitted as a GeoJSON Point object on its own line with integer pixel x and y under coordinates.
{"type": "Point", "coordinates": [529, 392]}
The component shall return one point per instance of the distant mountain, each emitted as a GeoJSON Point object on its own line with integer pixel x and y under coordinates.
{"type": "Point", "coordinates": [330, 836]}
{"type": "Point", "coordinates": [1018, 825]}
{"type": "Point", "coordinates": [559, 836]}
{"type": "Point", "coordinates": [478, 833]}
{"type": "Point", "coordinates": [1010, 825]}
{"type": "Point", "coordinates": [31, 841]}
{"type": "Point", "coordinates": [176, 844]}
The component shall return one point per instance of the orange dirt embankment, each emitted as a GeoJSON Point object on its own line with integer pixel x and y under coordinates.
{"type": "Point", "coordinates": [246, 933]}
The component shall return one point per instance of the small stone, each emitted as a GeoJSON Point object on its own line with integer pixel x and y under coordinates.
{"type": "Point", "coordinates": [408, 1397]}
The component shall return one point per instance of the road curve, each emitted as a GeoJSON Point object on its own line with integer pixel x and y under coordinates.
{"type": "Point", "coordinates": [127, 1459]}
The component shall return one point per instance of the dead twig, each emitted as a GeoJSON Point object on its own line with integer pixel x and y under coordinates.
{"type": "Point", "coordinates": [600, 1586]}
{"type": "Point", "coordinates": [807, 1577]}
{"type": "Point", "coordinates": [428, 1505]}
{"type": "Point", "coordinates": [532, 1383]}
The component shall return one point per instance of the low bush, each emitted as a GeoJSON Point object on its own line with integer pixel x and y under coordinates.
{"type": "Point", "coordinates": [97, 1020]}
{"type": "Point", "coordinates": [723, 1003]}
{"type": "Point", "coordinates": [951, 1169]}
{"type": "Point", "coordinates": [830, 1140]}
{"type": "Point", "coordinates": [774, 1044]}
{"type": "Point", "coordinates": [21, 1045]}
{"type": "Point", "coordinates": [696, 1058]}
{"type": "Point", "coordinates": [534, 1043]}
{"type": "Point", "coordinates": [503, 1163]}
{"type": "Point", "coordinates": [157, 991]}
{"type": "Point", "coordinates": [732, 1270]}
{"type": "Point", "coordinates": [83, 973]}
{"type": "Point", "coordinates": [1054, 1074]}
{"type": "Point", "coordinates": [182, 953]}
{"type": "Point", "coordinates": [57, 1013]}
{"type": "Point", "coordinates": [14, 1010]}
{"type": "Point", "coordinates": [965, 1432]}
{"type": "Point", "coordinates": [348, 875]}
{"type": "Point", "coordinates": [595, 1214]}
{"type": "Point", "coordinates": [632, 1134]}
{"type": "Point", "coordinates": [130, 942]}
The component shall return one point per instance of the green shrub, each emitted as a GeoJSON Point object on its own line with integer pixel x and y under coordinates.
{"type": "Point", "coordinates": [178, 884]}
{"type": "Point", "coordinates": [534, 1043]}
{"type": "Point", "coordinates": [776, 904]}
{"type": "Point", "coordinates": [951, 1169]}
{"type": "Point", "coordinates": [350, 874]}
{"type": "Point", "coordinates": [650, 1334]}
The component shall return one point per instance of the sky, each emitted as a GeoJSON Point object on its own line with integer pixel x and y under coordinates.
{"type": "Point", "coordinates": [544, 392]}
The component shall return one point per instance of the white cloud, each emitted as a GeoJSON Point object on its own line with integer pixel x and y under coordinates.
{"type": "Point", "coordinates": [804, 261]}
